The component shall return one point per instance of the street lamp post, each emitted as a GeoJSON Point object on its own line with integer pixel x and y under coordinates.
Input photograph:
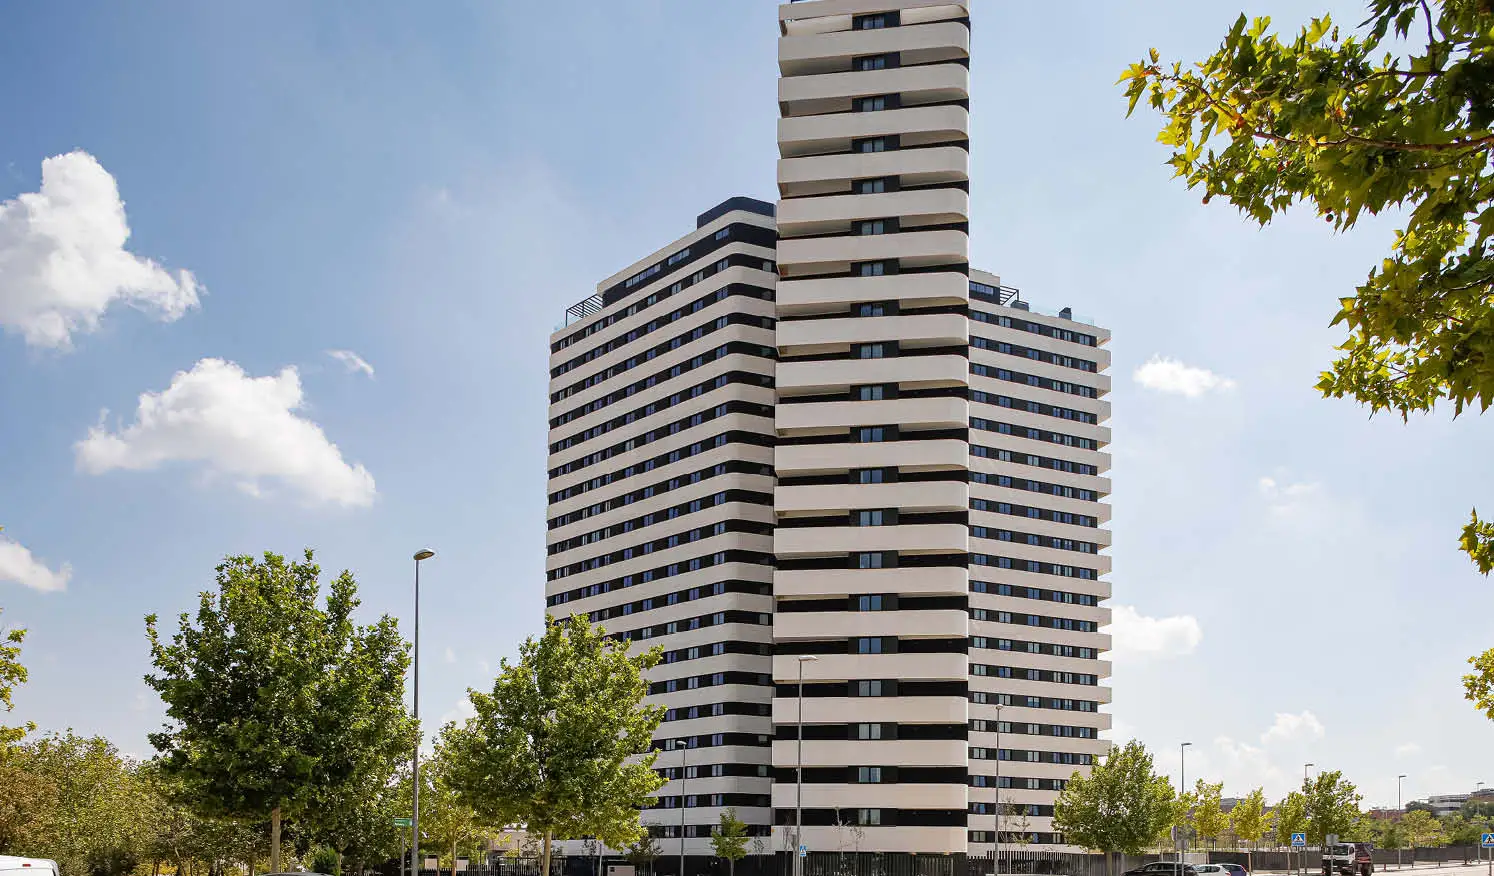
{"type": "Point", "coordinates": [684, 747]}
{"type": "Point", "coordinates": [1302, 855]}
{"type": "Point", "coordinates": [1398, 781]}
{"type": "Point", "coordinates": [799, 768]}
{"type": "Point", "coordinates": [996, 837]}
{"type": "Point", "coordinates": [422, 554]}
{"type": "Point", "coordinates": [1182, 789]}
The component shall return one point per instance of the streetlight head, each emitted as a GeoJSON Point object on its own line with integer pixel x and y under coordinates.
{"type": "Point", "coordinates": [807, 658]}
{"type": "Point", "coordinates": [680, 743]}
{"type": "Point", "coordinates": [1186, 744]}
{"type": "Point", "coordinates": [424, 554]}
{"type": "Point", "coordinates": [1401, 776]}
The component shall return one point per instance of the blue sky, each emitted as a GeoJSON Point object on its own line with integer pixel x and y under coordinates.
{"type": "Point", "coordinates": [430, 186]}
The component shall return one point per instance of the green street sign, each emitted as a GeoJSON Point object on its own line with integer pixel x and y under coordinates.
{"type": "Point", "coordinates": [403, 822]}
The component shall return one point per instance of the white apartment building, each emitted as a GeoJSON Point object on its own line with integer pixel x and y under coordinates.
{"type": "Point", "coordinates": [810, 440]}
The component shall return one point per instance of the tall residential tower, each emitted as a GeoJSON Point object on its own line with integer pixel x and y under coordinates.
{"type": "Point", "coordinates": [810, 441]}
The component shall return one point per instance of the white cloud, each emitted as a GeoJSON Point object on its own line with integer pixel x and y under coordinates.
{"type": "Point", "coordinates": [1290, 499]}
{"type": "Point", "coordinates": [1171, 376]}
{"type": "Point", "coordinates": [18, 565]}
{"type": "Point", "coordinates": [450, 656]}
{"type": "Point", "coordinates": [235, 426]}
{"type": "Point", "coordinates": [63, 260]}
{"type": "Point", "coordinates": [1289, 728]}
{"type": "Point", "coordinates": [459, 714]}
{"type": "Point", "coordinates": [1135, 635]}
{"type": "Point", "coordinates": [352, 361]}
{"type": "Point", "coordinates": [1407, 749]}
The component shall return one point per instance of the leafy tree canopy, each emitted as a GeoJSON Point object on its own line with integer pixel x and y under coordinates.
{"type": "Point", "coordinates": [1395, 115]}
{"type": "Point", "coordinates": [12, 675]}
{"type": "Point", "coordinates": [1291, 817]}
{"type": "Point", "coordinates": [1331, 805]}
{"type": "Point", "coordinates": [1121, 806]}
{"type": "Point", "coordinates": [1248, 818]}
{"type": "Point", "coordinates": [729, 840]}
{"type": "Point", "coordinates": [563, 743]}
{"type": "Point", "coordinates": [276, 704]}
{"type": "Point", "coordinates": [1208, 816]}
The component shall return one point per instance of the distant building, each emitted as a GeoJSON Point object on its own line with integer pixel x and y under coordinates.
{"type": "Point", "coordinates": [1386, 814]}
{"type": "Point", "coordinates": [1448, 804]}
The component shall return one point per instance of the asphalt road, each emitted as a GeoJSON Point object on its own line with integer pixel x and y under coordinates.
{"type": "Point", "coordinates": [1420, 869]}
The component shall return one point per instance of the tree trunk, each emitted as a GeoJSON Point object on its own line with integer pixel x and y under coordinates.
{"type": "Point", "coordinates": [275, 840]}
{"type": "Point", "coordinates": [453, 858]}
{"type": "Point", "coordinates": [545, 856]}
{"type": "Point", "coordinates": [337, 865]}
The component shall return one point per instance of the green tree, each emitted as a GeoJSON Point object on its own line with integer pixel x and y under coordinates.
{"type": "Point", "coordinates": [729, 839]}
{"type": "Point", "coordinates": [1208, 817]}
{"type": "Point", "coordinates": [1358, 124]}
{"type": "Point", "coordinates": [563, 743]}
{"type": "Point", "coordinates": [1248, 822]}
{"type": "Point", "coordinates": [358, 825]}
{"type": "Point", "coordinates": [642, 852]}
{"type": "Point", "coordinates": [1390, 835]}
{"type": "Point", "coordinates": [12, 675]}
{"type": "Point", "coordinates": [1332, 805]}
{"type": "Point", "coordinates": [97, 807]}
{"type": "Point", "coordinates": [445, 818]}
{"type": "Point", "coordinates": [276, 704]}
{"type": "Point", "coordinates": [1460, 831]}
{"type": "Point", "coordinates": [1121, 806]}
{"type": "Point", "coordinates": [1290, 817]}
{"type": "Point", "coordinates": [1421, 829]}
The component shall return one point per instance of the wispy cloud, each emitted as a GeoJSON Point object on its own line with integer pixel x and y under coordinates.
{"type": "Point", "coordinates": [352, 361]}
{"type": "Point", "coordinates": [1290, 499]}
{"type": "Point", "coordinates": [18, 565]}
{"type": "Point", "coordinates": [1161, 374]}
{"type": "Point", "coordinates": [1407, 749]}
{"type": "Point", "coordinates": [1293, 728]}
{"type": "Point", "coordinates": [1135, 635]}
{"type": "Point", "coordinates": [450, 656]}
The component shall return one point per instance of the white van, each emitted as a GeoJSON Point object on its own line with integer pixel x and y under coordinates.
{"type": "Point", "coordinates": [13, 866]}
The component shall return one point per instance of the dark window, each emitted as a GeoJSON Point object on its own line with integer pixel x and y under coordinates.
{"type": "Point", "coordinates": [871, 186]}
{"type": "Point", "coordinates": [874, 392]}
{"type": "Point", "coordinates": [870, 602]}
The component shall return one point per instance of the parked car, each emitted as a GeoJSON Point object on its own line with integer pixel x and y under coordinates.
{"type": "Point", "coordinates": [1164, 868]}
{"type": "Point", "coordinates": [1235, 870]}
{"type": "Point", "coordinates": [13, 866]}
{"type": "Point", "coordinates": [1348, 859]}
{"type": "Point", "coordinates": [1210, 869]}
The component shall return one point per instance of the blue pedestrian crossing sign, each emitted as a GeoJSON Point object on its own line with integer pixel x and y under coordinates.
{"type": "Point", "coordinates": [803, 851]}
{"type": "Point", "coordinates": [1487, 841]}
{"type": "Point", "coordinates": [1299, 839]}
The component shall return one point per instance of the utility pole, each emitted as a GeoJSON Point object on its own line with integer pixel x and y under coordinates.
{"type": "Point", "coordinates": [1398, 815]}
{"type": "Point", "coordinates": [799, 771]}
{"type": "Point", "coordinates": [1302, 855]}
{"type": "Point", "coordinates": [684, 748]}
{"type": "Point", "coordinates": [1182, 789]}
{"type": "Point", "coordinates": [996, 837]}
